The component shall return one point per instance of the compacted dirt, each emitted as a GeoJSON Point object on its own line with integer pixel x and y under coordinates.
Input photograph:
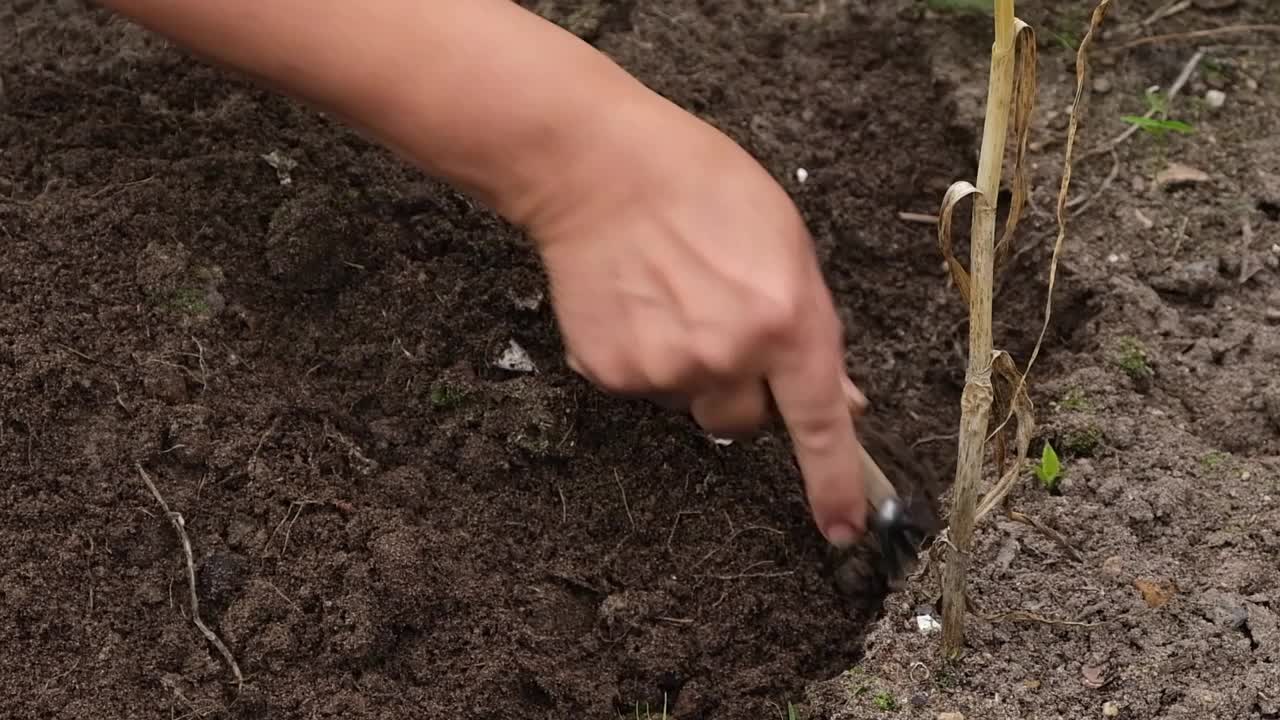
{"type": "Point", "coordinates": [297, 338]}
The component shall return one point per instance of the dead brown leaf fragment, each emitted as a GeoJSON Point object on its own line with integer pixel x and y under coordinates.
{"type": "Point", "coordinates": [1178, 175]}
{"type": "Point", "coordinates": [1154, 594]}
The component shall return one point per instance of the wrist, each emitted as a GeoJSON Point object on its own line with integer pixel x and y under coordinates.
{"type": "Point", "coordinates": [512, 118]}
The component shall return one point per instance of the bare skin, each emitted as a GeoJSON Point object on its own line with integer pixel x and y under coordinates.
{"type": "Point", "coordinates": [679, 270]}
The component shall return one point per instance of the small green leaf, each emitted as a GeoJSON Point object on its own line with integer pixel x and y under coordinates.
{"type": "Point", "coordinates": [1050, 467]}
{"type": "Point", "coordinates": [1159, 127]}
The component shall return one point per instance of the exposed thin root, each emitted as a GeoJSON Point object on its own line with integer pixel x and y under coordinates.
{"type": "Point", "coordinates": [1052, 534]}
{"type": "Point", "coordinates": [179, 526]}
{"type": "Point", "coordinates": [1026, 616]}
{"type": "Point", "coordinates": [625, 505]}
{"type": "Point", "coordinates": [1197, 34]}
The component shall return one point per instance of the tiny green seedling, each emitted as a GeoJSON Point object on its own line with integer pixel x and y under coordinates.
{"type": "Point", "coordinates": [883, 700]}
{"type": "Point", "coordinates": [1214, 459]}
{"type": "Point", "coordinates": [1074, 399]}
{"type": "Point", "coordinates": [1132, 359]}
{"type": "Point", "coordinates": [1082, 442]}
{"type": "Point", "coordinates": [791, 712]}
{"type": "Point", "coordinates": [1050, 468]}
{"type": "Point", "coordinates": [1156, 121]}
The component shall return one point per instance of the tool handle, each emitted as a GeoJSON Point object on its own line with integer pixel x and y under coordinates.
{"type": "Point", "coordinates": [879, 489]}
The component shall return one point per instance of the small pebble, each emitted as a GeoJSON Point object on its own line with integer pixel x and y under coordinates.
{"type": "Point", "coordinates": [950, 716]}
{"type": "Point", "coordinates": [1102, 85]}
{"type": "Point", "coordinates": [1113, 566]}
{"type": "Point", "coordinates": [1110, 709]}
{"type": "Point", "coordinates": [1215, 98]}
{"type": "Point", "coordinates": [802, 174]}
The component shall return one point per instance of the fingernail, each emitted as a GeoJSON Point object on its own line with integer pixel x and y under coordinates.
{"type": "Point", "coordinates": [840, 535]}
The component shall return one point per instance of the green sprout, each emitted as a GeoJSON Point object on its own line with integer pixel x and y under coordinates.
{"type": "Point", "coordinates": [1156, 121]}
{"type": "Point", "coordinates": [1074, 399]}
{"type": "Point", "coordinates": [1082, 442]}
{"type": "Point", "coordinates": [884, 701]}
{"type": "Point", "coordinates": [1049, 469]}
{"type": "Point", "coordinates": [1214, 459]}
{"type": "Point", "coordinates": [1132, 359]}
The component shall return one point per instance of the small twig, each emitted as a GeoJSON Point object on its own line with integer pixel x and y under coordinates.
{"type": "Point", "coordinates": [1082, 203]}
{"type": "Point", "coordinates": [1169, 9]}
{"type": "Point", "coordinates": [1054, 535]}
{"type": "Point", "coordinates": [1196, 34]}
{"type": "Point", "coordinates": [934, 438]}
{"type": "Point", "coordinates": [284, 597]}
{"type": "Point", "coordinates": [751, 576]}
{"type": "Point", "coordinates": [291, 517]}
{"type": "Point", "coordinates": [121, 186]}
{"type": "Point", "coordinates": [120, 400]}
{"type": "Point", "coordinates": [49, 683]}
{"type": "Point", "coordinates": [179, 526]}
{"type": "Point", "coordinates": [675, 524]}
{"type": "Point", "coordinates": [922, 218]}
{"type": "Point", "coordinates": [564, 506]}
{"type": "Point", "coordinates": [88, 358]}
{"type": "Point", "coordinates": [1025, 616]}
{"type": "Point", "coordinates": [262, 439]}
{"type": "Point", "coordinates": [204, 369]}
{"type": "Point", "coordinates": [625, 504]}
{"type": "Point", "coordinates": [733, 536]}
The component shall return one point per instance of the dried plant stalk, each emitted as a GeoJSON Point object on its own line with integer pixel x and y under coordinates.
{"type": "Point", "coordinates": [1020, 403]}
{"type": "Point", "coordinates": [978, 394]}
{"type": "Point", "coordinates": [1011, 97]}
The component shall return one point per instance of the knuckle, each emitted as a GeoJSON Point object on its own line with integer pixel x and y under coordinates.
{"type": "Point", "coordinates": [610, 371]}
{"type": "Point", "coordinates": [667, 371]}
{"type": "Point", "coordinates": [816, 435]}
{"type": "Point", "coordinates": [777, 315]}
{"type": "Point", "coordinates": [721, 357]}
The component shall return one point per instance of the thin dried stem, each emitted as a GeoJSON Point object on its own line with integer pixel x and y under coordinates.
{"type": "Point", "coordinates": [180, 527]}
{"type": "Point", "coordinates": [977, 395]}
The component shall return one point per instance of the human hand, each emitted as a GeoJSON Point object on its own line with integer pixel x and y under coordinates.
{"type": "Point", "coordinates": [682, 272]}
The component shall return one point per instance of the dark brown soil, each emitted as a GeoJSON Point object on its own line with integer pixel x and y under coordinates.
{"type": "Point", "coordinates": [301, 354]}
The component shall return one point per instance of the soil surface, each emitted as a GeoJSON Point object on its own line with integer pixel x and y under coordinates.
{"type": "Point", "coordinates": [297, 337]}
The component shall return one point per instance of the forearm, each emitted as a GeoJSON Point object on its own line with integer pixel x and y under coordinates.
{"type": "Point", "coordinates": [481, 93]}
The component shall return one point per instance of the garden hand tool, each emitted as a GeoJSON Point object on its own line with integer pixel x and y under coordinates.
{"type": "Point", "coordinates": [898, 535]}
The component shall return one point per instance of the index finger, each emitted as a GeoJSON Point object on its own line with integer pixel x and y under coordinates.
{"type": "Point", "coordinates": [807, 381]}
